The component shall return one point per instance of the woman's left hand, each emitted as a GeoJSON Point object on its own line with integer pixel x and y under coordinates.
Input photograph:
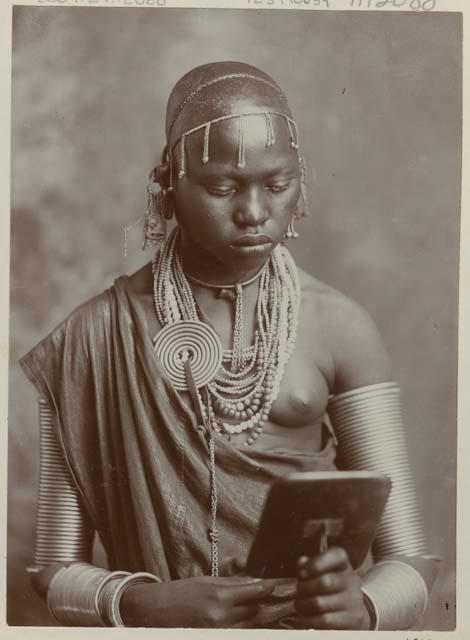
{"type": "Point", "coordinates": [329, 593]}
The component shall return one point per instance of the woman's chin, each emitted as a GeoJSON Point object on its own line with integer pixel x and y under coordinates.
{"type": "Point", "coordinates": [229, 260]}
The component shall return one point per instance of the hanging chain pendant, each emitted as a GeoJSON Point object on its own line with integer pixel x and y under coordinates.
{"type": "Point", "coordinates": [213, 531]}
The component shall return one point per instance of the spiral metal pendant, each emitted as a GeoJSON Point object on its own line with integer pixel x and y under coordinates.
{"type": "Point", "coordinates": [178, 341]}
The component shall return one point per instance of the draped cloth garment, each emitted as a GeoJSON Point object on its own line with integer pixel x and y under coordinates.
{"type": "Point", "coordinates": [135, 453]}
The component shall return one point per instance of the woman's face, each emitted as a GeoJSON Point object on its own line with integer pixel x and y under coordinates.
{"type": "Point", "coordinates": [235, 216]}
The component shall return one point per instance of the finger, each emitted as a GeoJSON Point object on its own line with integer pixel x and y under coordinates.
{"type": "Point", "coordinates": [335, 559]}
{"type": "Point", "coordinates": [316, 605]}
{"type": "Point", "coordinates": [331, 620]}
{"type": "Point", "coordinates": [237, 581]}
{"type": "Point", "coordinates": [248, 593]}
{"type": "Point", "coordinates": [327, 583]}
{"type": "Point", "coordinates": [245, 581]}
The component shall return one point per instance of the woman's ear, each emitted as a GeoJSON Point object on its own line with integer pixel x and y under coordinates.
{"type": "Point", "coordinates": [161, 174]}
{"type": "Point", "coordinates": [160, 192]}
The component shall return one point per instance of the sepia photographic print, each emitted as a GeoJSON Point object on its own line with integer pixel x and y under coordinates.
{"type": "Point", "coordinates": [252, 422]}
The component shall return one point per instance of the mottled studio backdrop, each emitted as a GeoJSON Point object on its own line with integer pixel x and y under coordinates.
{"type": "Point", "coordinates": [378, 100]}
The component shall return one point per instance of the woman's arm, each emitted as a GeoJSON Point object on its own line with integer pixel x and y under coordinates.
{"type": "Point", "coordinates": [368, 425]}
{"type": "Point", "coordinates": [366, 413]}
{"type": "Point", "coordinates": [366, 416]}
{"type": "Point", "coordinates": [80, 594]}
{"type": "Point", "coordinates": [77, 593]}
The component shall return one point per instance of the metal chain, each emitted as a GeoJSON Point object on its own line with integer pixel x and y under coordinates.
{"type": "Point", "coordinates": [213, 531]}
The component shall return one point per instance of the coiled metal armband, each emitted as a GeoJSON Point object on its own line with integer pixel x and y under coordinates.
{"type": "Point", "coordinates": [63, 531]}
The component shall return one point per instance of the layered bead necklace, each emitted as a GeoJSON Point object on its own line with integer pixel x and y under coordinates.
{"type": "Point", "coordinates": [240, 395]}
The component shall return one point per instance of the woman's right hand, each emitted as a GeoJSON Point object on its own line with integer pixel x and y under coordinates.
{"type": "Point", "coordinates": [195, 602]}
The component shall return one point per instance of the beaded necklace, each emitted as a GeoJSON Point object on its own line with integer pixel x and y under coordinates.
{"type": "Point", "coordinates": [237, 355]}
{"type": "Point", "coordinates": [243, 390]}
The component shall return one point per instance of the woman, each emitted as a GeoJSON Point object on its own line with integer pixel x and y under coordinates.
{"type": "Point", "coordinates": [171, 401]}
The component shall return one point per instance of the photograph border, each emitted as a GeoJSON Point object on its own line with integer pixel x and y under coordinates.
{"type": "Point", "coordinates": [463, 435]}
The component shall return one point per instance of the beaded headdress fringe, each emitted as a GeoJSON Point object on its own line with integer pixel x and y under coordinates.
{"type": "Point", "coordinates": [206, 126]}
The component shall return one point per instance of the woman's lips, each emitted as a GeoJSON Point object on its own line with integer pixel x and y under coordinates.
{"type": "Point", "coordinates": [252, 244]}
{"type": "Point", "coordinates": [252, 240]}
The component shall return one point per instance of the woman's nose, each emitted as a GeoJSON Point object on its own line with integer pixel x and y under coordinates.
{"type": "Point", "coordinates": [252, 209]}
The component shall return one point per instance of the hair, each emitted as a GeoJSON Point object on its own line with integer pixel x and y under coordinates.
{"type": "Point", "coordinates": [219, 89]}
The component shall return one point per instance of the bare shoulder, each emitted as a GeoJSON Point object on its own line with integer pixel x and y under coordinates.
{"type": "Point", "coordinates": [313, 290]}
{"type": "Point", "coordinates": [142, 280]}
{"type": "Point", "coordinates": [355, 344]}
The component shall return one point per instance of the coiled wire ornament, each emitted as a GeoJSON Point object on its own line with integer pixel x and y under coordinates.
{"type": "Point", "coordinates": [198, 342]}
{"type": "Point", "coordinates": [178, 341]}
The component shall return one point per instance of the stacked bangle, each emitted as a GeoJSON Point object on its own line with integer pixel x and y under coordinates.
{"type": "Point", "coordinates": [87, 596]}
{"type": "Point", "coordinates": [113, 612]}
{"type": "Point", "coordinates": [71, 594]}
{"type": "Point", "coordinates": [104, 594]}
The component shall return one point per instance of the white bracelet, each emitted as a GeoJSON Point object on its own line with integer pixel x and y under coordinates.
{"type": "Point", "coordinates": [135, 578]}
{"type": "Point", "coordinates": [101, 588]}
{"type": "Point", "coordinates": [71, 594]}
{"type": "Point", "coordinates": [397, 594]}
{"type": "Point", "coordinates": [371, 610]}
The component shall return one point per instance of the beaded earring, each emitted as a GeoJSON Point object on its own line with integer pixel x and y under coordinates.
{"type": "Point", "coordinates": [291, 232]}
{"type": "Point", "coordinates": [159, 206]}
{"type": "Point", "coordinates": [302, 210]}
{"type": "Point", "coordinates": [155, 217]}
{"type": "Point", "coordinates": [159, 210]}
{"type": "Point", "coordinates": [302, 205]}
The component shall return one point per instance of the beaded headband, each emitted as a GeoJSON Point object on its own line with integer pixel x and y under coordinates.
{"type": "Point", "coordinates": [206, 126]}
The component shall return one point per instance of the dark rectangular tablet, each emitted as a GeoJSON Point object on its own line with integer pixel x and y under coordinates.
{"type": "Point", "coordinates": [305, 511]}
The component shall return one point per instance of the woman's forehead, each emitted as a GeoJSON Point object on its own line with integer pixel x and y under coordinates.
{"type": "Point", "coordinates": [265, 142]}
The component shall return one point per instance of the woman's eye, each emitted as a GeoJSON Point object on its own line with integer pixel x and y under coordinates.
{"type": "Point", "coordinates": [278, 188]}
{"type": "Point", "coordinates": [220, 192]}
